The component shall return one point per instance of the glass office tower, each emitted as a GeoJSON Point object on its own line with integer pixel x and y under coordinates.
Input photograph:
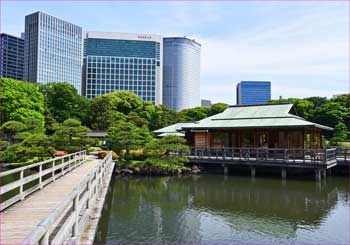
{"type": "Point", "coordinates": [123, 61]}
{"type": "Point", "coordinates": [52, 50]}
{"type": "Point", "coordinates": [253, 92]}
{"type": "Point", "coordinates": [11, 56]}
{"type": "Point", "coordinates": [181, 74]}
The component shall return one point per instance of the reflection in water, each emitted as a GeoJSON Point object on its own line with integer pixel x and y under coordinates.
{"type": "Point", "coordinates": [214, 209]}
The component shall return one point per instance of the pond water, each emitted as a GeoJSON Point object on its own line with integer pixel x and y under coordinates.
{"type": "Point", "coordinates": [217, 209]}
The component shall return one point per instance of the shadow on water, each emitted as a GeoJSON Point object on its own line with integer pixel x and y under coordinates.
{"type": "Point", "coordinates": [218, 209]}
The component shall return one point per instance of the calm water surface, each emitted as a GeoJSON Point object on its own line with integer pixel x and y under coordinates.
{"type": "Point", "coordinates": [218, 209]}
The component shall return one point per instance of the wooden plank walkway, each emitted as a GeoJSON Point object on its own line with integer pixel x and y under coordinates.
{"type": "Point", "coordinates": [19, 220]}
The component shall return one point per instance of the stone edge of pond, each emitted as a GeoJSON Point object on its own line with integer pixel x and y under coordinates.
{"type": "Point", "coordinates": [124, 171]}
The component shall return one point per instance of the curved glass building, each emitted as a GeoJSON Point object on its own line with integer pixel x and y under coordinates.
{"type": "Point", "coordinates": [181, 73]}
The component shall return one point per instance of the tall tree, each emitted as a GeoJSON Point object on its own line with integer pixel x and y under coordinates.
{"type": "Point", "coordinates": [217, 108]}
{"type": "Point", "coordinates": [10, 129]}
{"type": "Point", "coordinates": [20, 100]}
{"type": "Point", "coordinates": [63, 102]}
{"type": "Point", "coordinates": [340, 134]}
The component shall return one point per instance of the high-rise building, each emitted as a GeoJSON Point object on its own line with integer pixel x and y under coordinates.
{"type": "Point", "coordinates": [52, 50]}
{"type": "Point", "coordinates": [11, 56]}
{"type": "Point", "coordinates": [123, 61]}
{"type": "Point", "coordinates": [206, 103]}
{"type": "Point", "coordinates": [253, 92]}
{"type": "Point", "coordinates": [181, 74]}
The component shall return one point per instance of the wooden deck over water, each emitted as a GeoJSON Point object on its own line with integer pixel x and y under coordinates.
{"type": "Point", "coordinates": [18, 221]}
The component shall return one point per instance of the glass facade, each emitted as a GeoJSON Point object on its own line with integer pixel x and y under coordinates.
{"type": "Point", "coordinates": [114, 62]}
{"type": "Point", "coordinates": [181, 74]}
{"type": "Point", "coordinates": [53, 50]}
{"type": "Point", "coordinates": [11, 56]}
{"type": "Point", "coordinates": [253, 92]}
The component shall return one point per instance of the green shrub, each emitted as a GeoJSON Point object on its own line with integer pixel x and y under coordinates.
{"type": "Point", "coordinates": [103, 154]}
{"type": "Point", "coordinates": [94, 148]}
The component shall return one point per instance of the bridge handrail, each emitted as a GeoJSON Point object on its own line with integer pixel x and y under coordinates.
{"type": "Point", "coordinates": [78, 203]}
{"type": "Point", "coordinates": [291, 155]}
{"type": "Point", "coordinates": [72, 161]}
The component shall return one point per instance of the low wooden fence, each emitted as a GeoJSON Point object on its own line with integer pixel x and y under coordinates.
{"type": "Point", "coordinates": [35, 176]}
{"type": "Point", "coordinates": [315, 156]}
{"type": "Point", "coordinates": [343, 154]}
{"type": "Point", "coordinates": [67, 221]}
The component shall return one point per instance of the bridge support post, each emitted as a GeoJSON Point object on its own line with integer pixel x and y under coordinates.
{"type": "Point", "coordinates": [225, 169]}
{"type": "Point", "coordinates": [324, 174]}
{"type": "Point", "coordinates": [329, 171]}
{"type": "Point", "coordinates": [283, 173]}
{"type": "Point", "coordinates": [252, 172]}
{"type": "Point", "coordinates": [318, 175]}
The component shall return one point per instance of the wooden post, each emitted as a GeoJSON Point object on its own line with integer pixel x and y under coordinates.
{"type": "Point", "coordinates": [21, 187]}
{"type": "Point", "coordinates": [252, 172]}
{"type": "Point", "coordinates": [62, 169]}
{"type": "Point", "coordinates": [225, 169]}
{"type": "Point", "coordinates": [284, 173]}
{"type": "Point", "coordinates": [41, 176]}
{"type": "Point", "coordinates": [53, 170]}
{"type": "Point", "coordinates": [76, 216]}
{"type": "Point", "coordinates": [324, 173]}
{"type": "Point", "coordinates": [325, 155]}
{"type": "Point", "coordinates": [317, 175]}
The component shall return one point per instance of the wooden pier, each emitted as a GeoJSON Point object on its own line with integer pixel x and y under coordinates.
{"type": "Point", "coordinates": [57, 207]}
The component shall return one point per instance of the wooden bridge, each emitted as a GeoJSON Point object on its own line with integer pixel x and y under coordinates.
{"type": "Point", "coordinates": [318, 159]}
{"type": "Point", "coordinates": [57, 201]}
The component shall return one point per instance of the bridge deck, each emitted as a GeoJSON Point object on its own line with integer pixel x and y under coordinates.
{"type": "Point", "coordinates": [19, 220]}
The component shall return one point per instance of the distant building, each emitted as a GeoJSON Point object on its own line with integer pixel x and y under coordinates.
{"type": "Point", "coordinates": [181, 76]}
{"type": "Point", "coordinates": [123, 61]}
{"type": "Point", "coordinates": [206, 103]}
{"type": "Point", "coordinates": [11, 56]}
{"type": "Point", "coordinates": [52, 50]}
{"type": "Point", "coordinates": [253, 92]}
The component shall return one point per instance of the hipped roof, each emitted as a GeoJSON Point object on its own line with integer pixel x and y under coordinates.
{"type": "Point", "coordinates": [254, 116]}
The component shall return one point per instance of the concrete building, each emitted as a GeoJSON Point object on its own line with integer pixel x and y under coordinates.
{"type": "Point", "coordinates": [11, 56]}
{"type": "Point", "coordinates": [123, 61]}
{"type": "Point", "coordinates": [253, 92]}
{"type": "Point", "coordinates": [206, 103]}
{"type": "Point", "coordinates": [52, 50]}
{"type": "Point", "coordinates": [181, 73]}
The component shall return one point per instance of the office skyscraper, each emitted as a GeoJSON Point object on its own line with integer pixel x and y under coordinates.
{"type": "Point", "coordinates": [253, 92]}
{"type": "Point", "coordinates": [181, 74]}
{"type": "Point", "coordinates": [52, 50]}
{"type": "Point", "coordinates": [123, 61]}
{"type": "Point", "coordinates": [11, 56]}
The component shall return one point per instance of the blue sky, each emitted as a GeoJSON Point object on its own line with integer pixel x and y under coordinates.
{"type": "Point", "coordinates": [301, 47]}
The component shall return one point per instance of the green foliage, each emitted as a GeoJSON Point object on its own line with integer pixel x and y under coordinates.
{"type": "Point", "coordinates": [217, 108]}
{"type": "Point", "coordinates": [63, 102]}
{"type": "Point", "coordinates": [161, 152]}
{"type": "Point", "coordinates": [9, 129]}
{"type": "Point", "coordinates": [35, 145]}
{"type": "Point", "coordinates": [126, 136]}
{"type": "Point", "coordinates": [94, 149]}
{"type": "Point", "coordinates": [162, 117]}
{"type": "Point", "coordinates": [70, 136]}
{"type": "Point", "coordinates": [340, 134]}
{"type": "Point", "coordinates": [20, 100]}
{"type": "Point", "coordinates": [103, 154]}
{"type": "Point", "coordinates": [193, 114]}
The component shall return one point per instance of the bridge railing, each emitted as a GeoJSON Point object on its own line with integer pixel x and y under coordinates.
{"type": "Point", "coordinates": [30, 178]}
{"type": "Point", "coordinates": [343, 154]}
{"type": "Point", "coordinates": [297, 155]}
{"type": "Point", "coordinates": [67, 221]}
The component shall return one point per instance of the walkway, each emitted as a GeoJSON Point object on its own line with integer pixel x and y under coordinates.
{"type": "Point", "coordinates": [19, 220]}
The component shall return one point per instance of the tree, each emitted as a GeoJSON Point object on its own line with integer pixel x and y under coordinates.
{"type": "Point", "coordinates": [340, 133]}
{"type": "Point", "coordinates": [193, 114]}
{"type": "Point", "coordinates": [63, 102]}
{"type": "Point", "coordinates": [167, 152]}
{"type": "Point", "coordinates": [330, 114]}
{"type": "Point", "coordinates": [10, 129]}
{"type": "Point", "coordinates": [162, 117]}
{"type": "Point", "coordinates": [217, 108]}
{"type": "Point", "coordinates": [126, 136]}
{"type": "Point", "coordinates": [70, 136]}
{"type": "Point", "coordinates": [34, 146]}
{"type": "Point", "coordinates": [303, 108]}
{"type": "Point", "coordinates": [20, 100]}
